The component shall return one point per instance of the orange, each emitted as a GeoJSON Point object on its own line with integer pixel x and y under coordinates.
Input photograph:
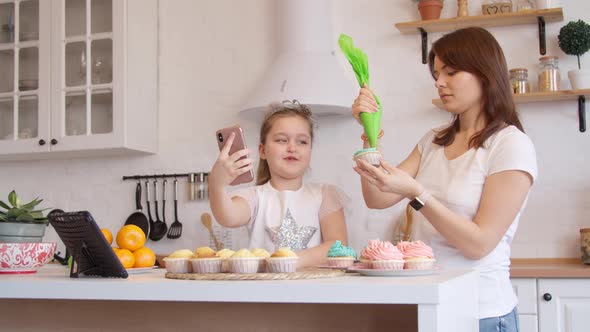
{"type": "Point", "coordinates": [144, 257]}
{"type": "Point", "coordinates": [130, 237]}
{"type": "Point", "coordinates": [107, 235]}
{"type": "Point", "coordinates": [126, 258]}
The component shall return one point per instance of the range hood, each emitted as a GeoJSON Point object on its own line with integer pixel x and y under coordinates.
{"type": "Point", "coordinates": [306, 68]}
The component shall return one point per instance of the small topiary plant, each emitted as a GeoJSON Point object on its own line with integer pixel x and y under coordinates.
{"type": "Point", "coordinates": [574, 39]}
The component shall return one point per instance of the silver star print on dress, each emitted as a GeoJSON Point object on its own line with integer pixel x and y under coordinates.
{"type": "Point", "coordinates": [290, 234]}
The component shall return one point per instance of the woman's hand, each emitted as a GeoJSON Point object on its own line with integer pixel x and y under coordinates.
{"type": "Point", "coordinates": [389, 179]}
{"type": "Point", "coordinates": [227, 168]}
{"type": "Point", "coordinates": [365, 102]}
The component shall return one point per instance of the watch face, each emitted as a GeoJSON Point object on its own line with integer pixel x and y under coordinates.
{"type": "Point", "coordinates": [416, 204]}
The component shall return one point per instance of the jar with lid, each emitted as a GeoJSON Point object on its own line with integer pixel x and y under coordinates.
{"type": "Point", "coordinates": [519, 80]}
{"type": "Point", "coordinates": [549, 76]}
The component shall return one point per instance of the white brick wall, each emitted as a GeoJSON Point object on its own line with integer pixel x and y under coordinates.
{"type": "Point", "coordinates": [204, 77]}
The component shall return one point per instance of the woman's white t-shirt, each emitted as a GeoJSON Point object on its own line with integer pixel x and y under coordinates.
{"type": "Point", "coordinates": [307, 206]}
{"type": "Point", "coordinates": [458, 184]}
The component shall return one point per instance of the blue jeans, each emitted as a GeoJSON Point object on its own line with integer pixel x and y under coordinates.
{"type": "Point", "coordinates": [506, 323]}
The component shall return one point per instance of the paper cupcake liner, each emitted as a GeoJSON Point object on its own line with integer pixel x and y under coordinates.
{"type": "Point", "coordinates": [419, 264]}
{"type": "Point", "coordinates": [340, 261]}
{"type": "Point", "coordinates": [206, 265]}
{"type": "Point", "coordinates": [243, 265]}
{"type": "Point", "coordinates": [282, 264]}
{"type": "Point", "coordinates": [372, 157]}
{"type": "Point", "coordinates": [178, 265]}
{"type": "Point", "coordinates": [388, 264]}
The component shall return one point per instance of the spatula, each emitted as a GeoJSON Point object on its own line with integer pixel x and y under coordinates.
{"type": "Point", "coordinates": [176, 227]}
{"type": "Point", "coordinates": [206, 221]}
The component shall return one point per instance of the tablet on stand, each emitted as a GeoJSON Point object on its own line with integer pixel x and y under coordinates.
{"type": "Point", "coordinates": [91, 253]}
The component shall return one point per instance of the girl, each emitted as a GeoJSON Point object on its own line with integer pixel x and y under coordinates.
{"type": "Point", "coordinates": [281, 210]}
{"type": "Point", "coordinates": [470, 179]}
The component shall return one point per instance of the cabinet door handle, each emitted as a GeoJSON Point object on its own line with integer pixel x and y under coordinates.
{"type": "Point", "coordinates": [53, 141]}
{"type": "Point", "coordinates": [547, 297]}
{"type": "Point", "coordinates": [41, 142]}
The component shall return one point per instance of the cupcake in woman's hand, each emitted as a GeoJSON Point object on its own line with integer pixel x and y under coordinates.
{"type": "Point", "coordinates": [262, 255]}
{"type": "Point", "coordinates": [243, 261]}
{"type": "Point", "coordinates": [224, 254]}
{"type": "Point", "coordinates": [384, 255]}
{"type": "Point", "coordinates": [178, 261]}
{"type": "Point", "coordinates": [340, 255]}
{"type": "Point", "coordinates": [417, 255]}
{"type": "Point", "coordinates": [282, 260]}
{"type": "Point", "coordinates": [370, 155]}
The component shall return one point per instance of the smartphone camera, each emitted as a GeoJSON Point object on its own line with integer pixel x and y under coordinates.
{"type": "Point", "coordinates": [220, 137]}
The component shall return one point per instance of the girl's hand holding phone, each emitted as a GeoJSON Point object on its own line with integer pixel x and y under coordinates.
{"type": "Point", "coordinates": [228, 167]}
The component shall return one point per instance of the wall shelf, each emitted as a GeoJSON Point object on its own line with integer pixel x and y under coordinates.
{"type": "Point", "coordinates": [539, 17]}
{"type": "Point", "coordinates": [534, 97]}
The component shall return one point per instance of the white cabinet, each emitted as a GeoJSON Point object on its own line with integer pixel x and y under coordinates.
{"type": "Point", "coordinates": [78, 78]}
{"type": "Point", "coordinates": [526, 291]}
{"type": "Point", "coordinates": [564, 305]}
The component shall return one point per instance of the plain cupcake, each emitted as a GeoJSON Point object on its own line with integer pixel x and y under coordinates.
{"type": "Point", "coordinates": [243, 261]}
{"type": "Point", "coordinates": [283, 260]}
{"type": "Point", "coordinates": [224, 254]}
{"type": "Point", "coordinates": [340, 255]}
{"type": "Point", "coordinates": [178, 261]}
{"type": "Point", "coordinates": [417, 255]}
{"type": "Point", "coordinates": [262, 254]}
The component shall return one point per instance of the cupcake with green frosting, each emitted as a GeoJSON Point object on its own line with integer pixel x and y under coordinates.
{"type": "Point", "coordinates": [340, 255]}
{"type": "Point", "coordinates": [370, 155]}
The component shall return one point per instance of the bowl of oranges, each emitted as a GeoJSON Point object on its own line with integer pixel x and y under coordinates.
{"type": "Point", "coordinates": [131, 249]}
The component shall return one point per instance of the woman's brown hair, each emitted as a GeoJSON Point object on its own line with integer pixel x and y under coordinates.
{"type": "Point", "coordinates": [283, 110]}
{"type": "Point", "coordinates": [476, 51]}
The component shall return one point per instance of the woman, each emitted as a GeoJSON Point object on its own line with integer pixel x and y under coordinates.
{"type": "Point", "coordinates": [470, 180]}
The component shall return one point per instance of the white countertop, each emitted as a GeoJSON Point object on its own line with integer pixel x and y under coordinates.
{"type": "Point", "coordinates": [53, 282]}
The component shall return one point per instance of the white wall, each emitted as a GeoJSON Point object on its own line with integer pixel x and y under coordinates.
{"type": "Point", "coordinates": [213, 52]}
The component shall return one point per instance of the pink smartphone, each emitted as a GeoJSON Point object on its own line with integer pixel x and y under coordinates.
{"type": "Point", "coordinates": [238, 144]}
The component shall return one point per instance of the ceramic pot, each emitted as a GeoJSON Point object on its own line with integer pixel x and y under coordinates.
{"type": "Point", "coordinates": [579, 79]}
{"type": "Point", "coordinates": [17, 232]}
{"type": "Point", "coordinates": [430, 9]}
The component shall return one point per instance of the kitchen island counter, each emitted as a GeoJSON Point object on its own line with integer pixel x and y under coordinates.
{"type": "Point", "coordinates": [445, 301]}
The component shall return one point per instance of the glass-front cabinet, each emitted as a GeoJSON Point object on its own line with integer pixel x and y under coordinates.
{"type": "Point", "coordinates": [77, 77]}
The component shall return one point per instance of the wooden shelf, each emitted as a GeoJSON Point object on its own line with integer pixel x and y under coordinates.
{"type": "Point", "coordinates": [534, 97]}
{"type": "Point", "coordinates": [539, 96]}
{"type": "Point", "coordinates": [539, 17]}
{"type": "Point", "coordinates": [486, 21]}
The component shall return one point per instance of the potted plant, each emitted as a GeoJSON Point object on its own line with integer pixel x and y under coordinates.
{"type": "Point", "coordinates": [21, 222]}
{"type": "Point", "coordinates": [574, 39]}
{"type": "Point", "coordinates": [429, 9]}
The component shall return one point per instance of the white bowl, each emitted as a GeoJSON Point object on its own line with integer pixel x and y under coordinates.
{"type": "Point", "coordinates": [25, 257]}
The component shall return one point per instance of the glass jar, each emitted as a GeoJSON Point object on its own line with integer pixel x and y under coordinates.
{"type": "Point", "coordinates": [519, 80]}
{"type": "Point", "coordinates": [549, 76]}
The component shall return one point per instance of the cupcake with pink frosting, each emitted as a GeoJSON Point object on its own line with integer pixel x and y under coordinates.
{"type": "Point", "coordinates": [384, 255]}
{"type": "Point", "coordinates": [417, 255]}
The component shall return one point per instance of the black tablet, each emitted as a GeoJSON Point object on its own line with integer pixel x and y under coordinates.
{"type": "Point", "coordinates": [91, 253]}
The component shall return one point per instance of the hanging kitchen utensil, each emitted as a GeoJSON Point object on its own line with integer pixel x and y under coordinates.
{"type": "Point", "coordinates": [206, 221]}
{"type": "Point", "coordinates": [164, 205]}
{"type": "Point", "coordinates": [149, 213]}
{"type": "Point", "coordinates": [137, 218]}
{"type": "Point", "coordinates": [160, 229]}
{"type": "Point", "coordinates": [175, 229]}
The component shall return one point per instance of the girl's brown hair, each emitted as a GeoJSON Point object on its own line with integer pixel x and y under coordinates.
{"type": "Point", "coordinates": [285, 109]}
{"type": "Point", "coordinates": [476, 51]}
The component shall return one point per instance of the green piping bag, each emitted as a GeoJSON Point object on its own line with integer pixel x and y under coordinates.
{"type": "Point", "coordinates": [360, 65]}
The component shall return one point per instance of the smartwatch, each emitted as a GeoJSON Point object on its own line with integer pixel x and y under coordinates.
{"type": "Point", "coordinates": [418, 202]}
